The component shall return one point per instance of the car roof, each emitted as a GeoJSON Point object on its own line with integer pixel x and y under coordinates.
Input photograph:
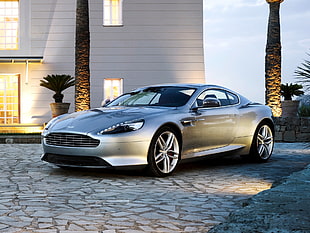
{"type": "Point", "coordinates": [188, 85]}
{"type": "Point", "coordinates": [196, 86]}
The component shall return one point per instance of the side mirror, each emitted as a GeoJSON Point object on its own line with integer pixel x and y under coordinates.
{"type": "Point", "coordinates": [211, 102]}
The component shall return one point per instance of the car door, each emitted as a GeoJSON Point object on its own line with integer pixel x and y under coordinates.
{"type": "Point", "coordinates": [216, 125]}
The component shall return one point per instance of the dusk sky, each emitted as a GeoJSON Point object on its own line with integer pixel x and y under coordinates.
{"type": "Point", "coordinates": [235, 41]}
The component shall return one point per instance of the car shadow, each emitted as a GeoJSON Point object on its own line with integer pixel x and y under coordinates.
{"type": "Point", "coordinates": [97, 172]}
{"type": "Point", "coordinates": [139, 171]}
{"type": "Point", "coordinates": [277, 167]}
{"type": "Point", "coordinates": [282, 165]}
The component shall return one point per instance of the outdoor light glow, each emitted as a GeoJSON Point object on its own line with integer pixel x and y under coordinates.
{"type": "Point", "coordinates": [21, 128]}
{"type": "Point", "coordinates": [256, 188]}
{"type": "Point", "coordinates": [83, 104]}
{"type": "Point", "coordinates": [273, 90]}
{"type": "Point", "coordinates": [252, 187]}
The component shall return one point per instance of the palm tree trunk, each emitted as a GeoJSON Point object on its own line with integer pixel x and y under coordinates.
{"type": "Point", "coordinates": [273, 59]}
{"type": "Point", "coordinates": [82, 47]}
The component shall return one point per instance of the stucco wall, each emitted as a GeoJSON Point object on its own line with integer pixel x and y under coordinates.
{"type": "Point", "coordinates": [161, 41]}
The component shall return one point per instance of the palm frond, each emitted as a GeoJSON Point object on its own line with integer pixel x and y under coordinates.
{"type": "Point", "coordinates": [57, 83]}
{"type": "Point", "coordinates": [302, 74]}
{"type": "Point", "coordinates": [290, 90]}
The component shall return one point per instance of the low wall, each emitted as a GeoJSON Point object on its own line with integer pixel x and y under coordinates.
{"type": "Point", "coordinates": [292, 129]}
{"type": "Point", "coordinates": [20, 139]}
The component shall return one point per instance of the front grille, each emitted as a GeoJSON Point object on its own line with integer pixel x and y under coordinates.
{"type": "Point", "coordinates": [71, 140]}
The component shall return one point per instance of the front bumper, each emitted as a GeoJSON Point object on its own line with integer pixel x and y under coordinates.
{"type": "Point", "coordinates": [75, 161]}
{"type": "Point", "coordinates": [111, 152]}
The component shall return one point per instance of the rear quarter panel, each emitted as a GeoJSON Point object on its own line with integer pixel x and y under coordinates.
{"type": "Point", "coordinates": [250, 117]}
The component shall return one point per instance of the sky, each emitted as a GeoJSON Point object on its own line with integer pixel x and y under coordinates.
{"type": "Point", "coordinates": [235, 34]}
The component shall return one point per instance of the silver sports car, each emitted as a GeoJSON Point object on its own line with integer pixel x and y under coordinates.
{"type": "Point", "coordinates": [157, 126]}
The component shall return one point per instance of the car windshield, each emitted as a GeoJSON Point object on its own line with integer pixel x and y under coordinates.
{"type": "Point", "coordinates": [155, 96]}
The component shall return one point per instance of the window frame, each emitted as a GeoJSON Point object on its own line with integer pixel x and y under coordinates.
{"type": "Point", "coordinates": [108, 22]}
{"type": "Point", "coordinates": [7, 30]}
{"type": "Point", "coordinates": [24, 31]}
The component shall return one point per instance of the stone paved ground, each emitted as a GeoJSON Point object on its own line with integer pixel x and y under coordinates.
{"type": "Point", "coordinates": [38, 197]}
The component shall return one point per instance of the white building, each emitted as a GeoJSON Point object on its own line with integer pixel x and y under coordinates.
{"type": "Point", "coordinates": [133, 43]}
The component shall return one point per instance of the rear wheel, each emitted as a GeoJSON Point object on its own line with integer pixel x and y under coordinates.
{"type": "Point", "coordinates": [263, 142]}
{"type": "Point", "coordinates": [164, 152]}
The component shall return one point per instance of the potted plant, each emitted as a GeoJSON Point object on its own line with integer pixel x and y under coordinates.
{"type": "Point", "coordinates": [58, 83]}
{"type": "Point", "coordinates": [289, 106]}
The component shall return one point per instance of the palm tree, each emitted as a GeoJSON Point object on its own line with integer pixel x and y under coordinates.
{"type": "Point", "coordinates": [82, 47]}
{"type": "Point", "coordinates": [57, 83]}
{"type": "Point", "coordinates": [273, 59]}
{"type": "Point", "coordinates": [303, 74]}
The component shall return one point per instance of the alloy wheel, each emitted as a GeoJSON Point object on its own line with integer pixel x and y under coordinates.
{"type": "Point", "coordinates": [265, 142]}
{"type": "Point", "coordinates": [166, 152]}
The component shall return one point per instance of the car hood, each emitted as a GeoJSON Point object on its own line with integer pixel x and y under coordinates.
{"type": "Point", "coordinates": [100, 118]}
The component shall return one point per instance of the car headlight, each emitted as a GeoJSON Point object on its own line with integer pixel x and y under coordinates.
{"type": "Point", "coordinates": [123, 127]}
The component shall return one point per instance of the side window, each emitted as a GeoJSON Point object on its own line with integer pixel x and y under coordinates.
{"type": "Point", "coordinates": [113, 87]}
{"type": "Point", "coordinates": [233, 99]}
{"type": "Point", "coordinates": [9, 20]}
{"type": "Point", "coordinates": [224, 97]}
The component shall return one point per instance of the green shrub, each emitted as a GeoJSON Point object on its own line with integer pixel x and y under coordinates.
{"type": "Point", "coordinates": [304, 111]}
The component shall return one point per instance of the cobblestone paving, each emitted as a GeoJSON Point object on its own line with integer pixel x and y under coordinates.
{"type": "Point", "coordinates": [39, 197]}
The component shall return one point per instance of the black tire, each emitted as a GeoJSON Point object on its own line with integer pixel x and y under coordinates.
{"type": "Point", "coordinates": [164, 152]}
{"type": "Point", "coordinates": [263, 142]}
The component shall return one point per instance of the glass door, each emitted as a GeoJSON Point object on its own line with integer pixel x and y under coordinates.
{"type": "Point", "coordinates": [9, 99]}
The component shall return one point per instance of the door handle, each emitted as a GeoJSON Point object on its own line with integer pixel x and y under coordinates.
{"type": "Point", "coordinates": [189, 122]}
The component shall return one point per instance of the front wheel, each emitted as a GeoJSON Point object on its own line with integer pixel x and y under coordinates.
{"type": "Point", "coordinates": [164, 152]}
{"type": "Point", "coordinates": [263, 142]}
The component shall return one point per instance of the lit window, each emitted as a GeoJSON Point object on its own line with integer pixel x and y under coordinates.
{"type": "Point", "coordinates": [9, 17]}
{"type": "Point", "coordinates": [112, 89]}
{"type": "Point", "coordinates": [9, 99]}
{"type": "Point", "coordinates": [112, 12]}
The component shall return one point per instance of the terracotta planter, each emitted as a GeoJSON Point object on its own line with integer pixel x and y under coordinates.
{"type": "Point", "coordinates": [290, 108]}
{"type": "Point", "coordinates": [59, 108]}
